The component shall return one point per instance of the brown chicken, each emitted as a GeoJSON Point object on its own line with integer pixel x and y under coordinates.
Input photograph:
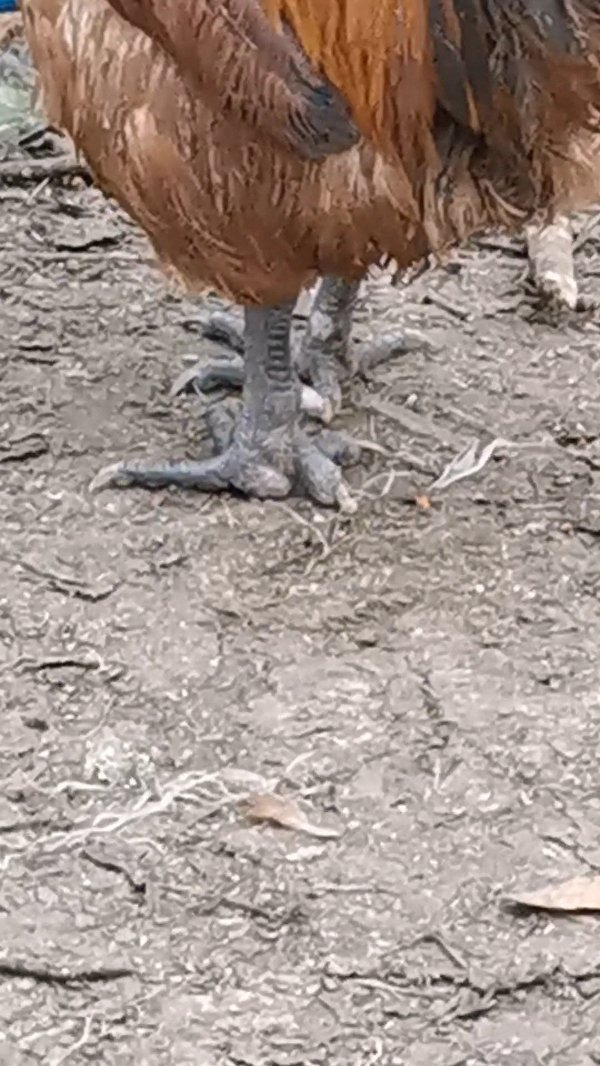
{"type": "Point", "coordinates": [262, 145]}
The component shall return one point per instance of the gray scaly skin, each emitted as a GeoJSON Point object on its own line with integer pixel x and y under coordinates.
{"type": "Point", "coordinates": [326, 358]}
{"type": "Point", "coordinates": [551, 265]}
{"type": "Point", "coordinates": [266, 453]}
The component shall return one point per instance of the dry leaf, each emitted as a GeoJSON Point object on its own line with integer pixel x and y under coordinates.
{"type": "Point", "coordinates": [283, 812]}
{"type": "Point", "coordinates": [577, 894]}
{"type": "Point", "coordinates": [423, 503]}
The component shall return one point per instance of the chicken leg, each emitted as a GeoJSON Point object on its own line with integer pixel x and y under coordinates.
{"type": "Point", "coordinates": [326, 354]}
{"type": "Point", "coordinates": [266, 454]}
{"type": "Point", "coordinates": [326, 358]}
{"type": "Point", "coordinates": [551, 265]}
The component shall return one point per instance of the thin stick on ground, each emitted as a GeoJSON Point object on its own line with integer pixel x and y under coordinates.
{"type": "Point", "coordinates": [83, 1039]}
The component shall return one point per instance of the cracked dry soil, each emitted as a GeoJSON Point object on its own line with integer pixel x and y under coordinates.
{"type": "Point", "coordinates": [424, 681]}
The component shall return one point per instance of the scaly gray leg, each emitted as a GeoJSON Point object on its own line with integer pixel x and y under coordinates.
{"type": "Point", "coordinates": [224, 327]}
{"type": "Point", "coordinates": [266, 454]}
{"type": "Point", "coordinates": [327, 356]}
{"type": "Point", "coordinates": [550, 253]}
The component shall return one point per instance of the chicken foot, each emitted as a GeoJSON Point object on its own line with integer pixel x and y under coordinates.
{"type": "Point", "coordinates": [327, 356]}
{"type": "Point", "coordinates": [265, 453]}
{"type": "Point", "coordinates": [551, 264]}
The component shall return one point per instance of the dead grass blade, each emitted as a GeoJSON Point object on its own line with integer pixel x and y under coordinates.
{"type": "Point", "coordinates": [282, 812]}
{"type": "Point", "coordinates": [576, 895]}
{"type": "Point", "coordinates": [468, 462]}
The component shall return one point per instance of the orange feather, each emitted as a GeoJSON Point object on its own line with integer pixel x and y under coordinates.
{"type": "Point", "coordinates": [357, 44]}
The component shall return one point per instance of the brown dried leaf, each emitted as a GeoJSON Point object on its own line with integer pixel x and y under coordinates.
{"type": "Point", "coordinates": [283, 812]}
{"type": "Point", "coordinates": [577, 894]}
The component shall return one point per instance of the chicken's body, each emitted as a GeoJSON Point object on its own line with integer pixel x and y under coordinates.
{"type": "Point", "coordinates": [451, 146]}
{"type": "Point", "coordinates": [227, 210]}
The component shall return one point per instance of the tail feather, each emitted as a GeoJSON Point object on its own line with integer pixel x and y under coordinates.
{"type": "Point", "coordinates": [461, 61]}
{"type": "Point", "coordinates": [476, 53]}
{"type": "Point", "coordinates": [482, 47]}
{"type": "Point", "coordinates": [550, 20]}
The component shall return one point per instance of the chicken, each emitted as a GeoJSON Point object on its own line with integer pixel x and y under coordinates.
{"type": "Point", "coordinates": [262, 145]}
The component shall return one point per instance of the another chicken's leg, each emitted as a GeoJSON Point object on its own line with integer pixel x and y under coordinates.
{"type": "Point", "coordinates": [550, 253]}
{"type": "Point", "coordinates": [268, 454]}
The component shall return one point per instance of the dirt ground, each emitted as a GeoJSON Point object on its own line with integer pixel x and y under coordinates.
{"type": "Point", "coordinates": [423, 682]}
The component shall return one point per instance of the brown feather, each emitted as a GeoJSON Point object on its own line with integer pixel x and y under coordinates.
{"type": "Point", "coordinates": [229, 207]}
{"type": "Point", "coordinates": [232, 56]}
{"type": "Point", "coordinates": [354, 43]}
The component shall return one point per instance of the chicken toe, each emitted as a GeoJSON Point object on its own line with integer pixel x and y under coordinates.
{"type": "Point", "coordinates": [263, 453]}
{"type": "Point", "coordinates": [230, 374]}
{"type": "Point", "coordinates": [241, 469]}
{"type": "Point", "coordinates": [207, 377]}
